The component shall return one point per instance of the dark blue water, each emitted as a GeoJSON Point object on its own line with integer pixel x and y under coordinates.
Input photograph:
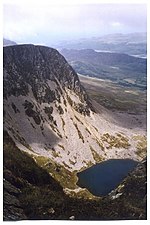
{"type": "Point", "coordinates": [102, 178]}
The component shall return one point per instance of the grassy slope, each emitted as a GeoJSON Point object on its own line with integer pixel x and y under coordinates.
{"type": "Point", "coordinates": [126, 70]}
{"type": "Point", "coordinates": [114, 96]}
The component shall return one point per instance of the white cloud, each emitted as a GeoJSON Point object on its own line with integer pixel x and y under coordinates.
{"type": "Point", "coordinates": [41, 22]}
{"type": "Point", "coordinates": [116, 24]}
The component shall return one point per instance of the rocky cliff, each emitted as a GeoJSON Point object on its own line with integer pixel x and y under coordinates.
{"type": "Point", "coordinates": [40, 88]}
{"type": "Point", "coordinates": [48, 114]}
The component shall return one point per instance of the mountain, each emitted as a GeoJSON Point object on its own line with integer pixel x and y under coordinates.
{"type": "Point", "coordinates": [56, 131]}
{"type": "Point", "coordinates": [103, 58]}
{"type": "Point", "coordinates": [121, 68]}
{"type": "Point", "coordinates": [7, 42]}
{"type": "Point", "coordinates": [41, 87]}
{"type": "Point", "coordinates": [132, 44]}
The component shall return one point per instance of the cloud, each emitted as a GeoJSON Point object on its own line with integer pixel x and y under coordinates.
{"type": "Point", "coordinates": [44, 23]}
{"type": "Point", "coordinates": [116, 24]}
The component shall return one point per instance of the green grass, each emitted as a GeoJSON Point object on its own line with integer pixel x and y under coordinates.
{"type": "Point", "coordinates": [42, 197]}
{"type": "Point", "coordinates": [141, 145]}
{"type": "Point", "coordinates": [22, 164]}
{"type": "Point", "coordinates": [118, 141]}
{"type": "Point", "coordinates": [100, 144]}
{"type": "Point", "coordinates": [114, 96]}
{"type": "Point", "coordinates": [96, 156]}
{"type": "Point", "coordinates": [58, 172]}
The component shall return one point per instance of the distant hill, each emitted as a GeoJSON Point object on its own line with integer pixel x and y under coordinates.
{"type": "Point", "coordinates": [7, 42]}
{"type": "Point", "coordinates": [132, 44]}
{"type": "Point", "coordinates": [104, 58]}
{"type": "Point", "coordinates": [123, 68]}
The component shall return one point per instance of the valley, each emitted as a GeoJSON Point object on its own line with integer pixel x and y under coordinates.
{"type": "Point", "coordinates": [126, 70]}
{"type": "Point", "coordinates": [74, 111]}
{"type": "Point", "coordinates": [131, 43]}
{"type": "Point", "coordinates": [62, 124]}
{"type": "Point", "coordinates": [114, 96]}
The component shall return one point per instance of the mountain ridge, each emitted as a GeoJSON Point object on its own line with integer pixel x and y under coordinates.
{"type": "Point", "coordinates": [107, 58]}
{"type": "Point", "coordinates": [119, 67]}
{"type": "Point", "coordinates": [132, 43]}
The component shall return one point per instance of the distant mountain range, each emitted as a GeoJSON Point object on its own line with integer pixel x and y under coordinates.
{"type": "Point", "coordinates": [122, 68]}
{"type": "Point", "coordinates": [7, 42]}
{"type": "Point", "coordinates": [132, 44]}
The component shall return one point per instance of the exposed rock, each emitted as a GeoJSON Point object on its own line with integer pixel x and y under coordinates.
{"type": "Point", "coordinates": [132, 192]}
{"type": "Point", "coordinates": [31, 193]}
{"type": "Point", "coordinates": [48, 115]}
{"type": "Point", "coordinates": [116, 196]}
{"type": "Point", "coordinates": [16, 110]}
{"type": "Point", "coordinates": [46, 108]}
{"type": "Point", "coordinates": [12, 206]}
{"type": "Point", "coordinates": [72, 217]}
{"type": "Point", "coordinates": [30, 112]}
{"type": "Point", "coordinates": [34, 65]}
{"type": "Point", "coordinates": [51, 210]}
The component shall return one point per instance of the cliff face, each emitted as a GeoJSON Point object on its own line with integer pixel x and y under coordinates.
{"type": "Point", "coordinates": [34, 66]}
{"type": "Point", "coordinates": [49, 115]}
{"type": "Point", "coordinates": [40, 88]}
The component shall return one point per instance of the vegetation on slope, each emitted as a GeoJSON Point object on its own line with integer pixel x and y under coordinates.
{"type": "Point", "coordinates": [41, 197]}
{"type": "Point", "coordinates": [125, 70]}
{"type": "Point", "coordinates": [114, 96]}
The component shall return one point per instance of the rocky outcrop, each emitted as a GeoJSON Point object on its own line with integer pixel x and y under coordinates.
{"type": "Point", "coordinates": [26, 65]}
{"type": "Point", "coordinates": [12, 206]}
{"type": "Point", "coordinates": [132, 193]}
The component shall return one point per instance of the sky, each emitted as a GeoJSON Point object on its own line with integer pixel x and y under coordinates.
{"type": "Point", "coordinates": [48, 22]}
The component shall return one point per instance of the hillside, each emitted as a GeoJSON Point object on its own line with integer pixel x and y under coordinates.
{"type": "Point", "coordinates": [56, 131]}
{"type": "Point", "coordinates": [121, 68]}
{"type": "Point", "coordinates": [131, 44]}
{"type": "Point", "coordinates": [31, 193]}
